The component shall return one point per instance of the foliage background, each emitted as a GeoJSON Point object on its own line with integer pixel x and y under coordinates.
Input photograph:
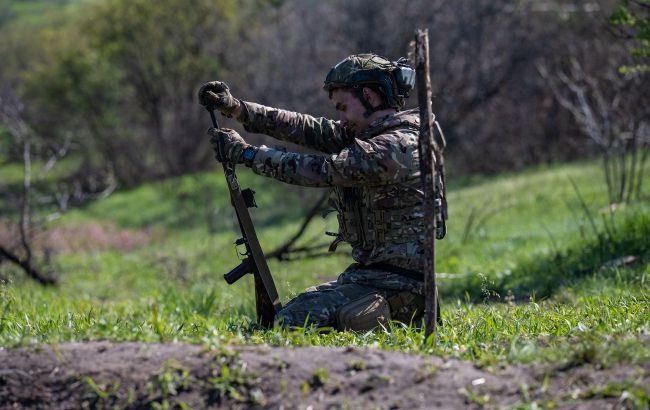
{"type": "Point", "coordinates": [117, 79]}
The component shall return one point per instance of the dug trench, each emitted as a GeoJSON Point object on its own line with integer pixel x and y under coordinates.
{"type": "Point", "coordinates": [138, 375]}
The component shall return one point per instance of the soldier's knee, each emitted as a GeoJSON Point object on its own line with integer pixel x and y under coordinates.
{"type": "Point", "coordinates": [302, 315]}
{"type": "Point", "coordinates": [288, 318]}
{"type": "Point", "coordinates": [370, 311]}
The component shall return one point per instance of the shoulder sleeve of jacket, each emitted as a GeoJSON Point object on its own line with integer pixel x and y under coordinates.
{"type": "Point", "coordinates": [384, 159]}
{"type": "Point", "coordinates": [321, 134]}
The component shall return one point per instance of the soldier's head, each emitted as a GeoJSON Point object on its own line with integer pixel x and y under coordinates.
{"type": "Point", "coordinates": [366, 86]}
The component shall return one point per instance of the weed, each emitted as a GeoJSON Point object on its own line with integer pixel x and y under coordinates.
{"type": "Point", "coordinates": [232, 379]}
{"type": "Point", "coordinates": [172, 379]}
{"type": "Point", "coordinates": [425, 372]}
{"type": "Point", "coordinates": [629, 394]}
{"type": "Point", "coordinates": [102, 391]}
{"type": "Point", "coordinates": [319, 377]}
{"type": "Point", "coordinates": [100, 394]}
{"type": "Point", "coordinates": [474, 398]}
{"type": "Point", "coordinates": [356, 365]}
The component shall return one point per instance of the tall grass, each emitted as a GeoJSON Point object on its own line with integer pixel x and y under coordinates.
{"type": "Point", "coordinates": [533, 283]}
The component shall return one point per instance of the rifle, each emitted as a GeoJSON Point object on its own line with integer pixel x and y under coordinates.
{"type": "Point", "coordinates": [267, 302]}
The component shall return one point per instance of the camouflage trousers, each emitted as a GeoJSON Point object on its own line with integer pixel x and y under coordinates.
{"type": "Point", "coordinates": [320, 304]}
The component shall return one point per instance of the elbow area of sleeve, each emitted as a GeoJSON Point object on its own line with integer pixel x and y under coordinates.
{"type": "Point", "coordinates": [344, 169]}
{"type": "Point", "coordinates": [354, 168]}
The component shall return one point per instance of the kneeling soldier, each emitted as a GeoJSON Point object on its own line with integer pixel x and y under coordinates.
{"type": "Point", "coordinates": [369, 158]}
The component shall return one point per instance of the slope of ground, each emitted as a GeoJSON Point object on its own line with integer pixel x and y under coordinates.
{"type": "Point", "coordinates": [552, 303]}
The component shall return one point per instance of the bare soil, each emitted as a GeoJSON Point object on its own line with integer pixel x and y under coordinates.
{"type": "Point", "coordinates": [138, 376]}
{"type": "Point", "coordinates": [83, 237]}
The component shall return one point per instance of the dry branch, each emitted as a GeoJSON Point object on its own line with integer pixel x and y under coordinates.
{"type": "Point", "coordinates": [10, 117]}
{"type": "Point", "coordinates": [427, 172]}
{"type": "Point", "coordinates": [26, 266]}
{"type": "Point", "coordinates": [288, 251]}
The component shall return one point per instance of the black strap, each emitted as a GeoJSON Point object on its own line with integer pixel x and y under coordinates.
{"type": "Point", "coordinates": [411, 274]}
{"type": "Point", "coordinates": [358, 92]}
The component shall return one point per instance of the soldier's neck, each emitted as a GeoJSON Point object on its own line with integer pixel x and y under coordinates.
{"type": "Point", "coordinates": [377, 115]}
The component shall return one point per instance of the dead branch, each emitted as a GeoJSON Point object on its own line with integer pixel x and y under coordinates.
{"type": "Point", "coordinates": [25, 211]}
{"type": "Point", "coordinates": [606, 108]}
{"type": "Point", "coordinates": [27, 267]}
{"type": "Point", "coordinates": [287, 251]}
{"type": "Point", "coordinates": [10, 116]}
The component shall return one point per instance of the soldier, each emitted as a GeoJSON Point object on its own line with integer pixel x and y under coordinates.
{"type": "Point", "coordinates": [370, 160]}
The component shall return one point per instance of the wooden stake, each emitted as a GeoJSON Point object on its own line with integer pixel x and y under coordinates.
{"type": "Point", "coordinates": [427, 173]}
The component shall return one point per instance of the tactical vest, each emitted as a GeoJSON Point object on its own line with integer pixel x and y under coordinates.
{"type": "Point", "coordinates": [385, 223]}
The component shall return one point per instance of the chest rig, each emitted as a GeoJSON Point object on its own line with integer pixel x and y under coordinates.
{"type": "Point", "coordinates": [384, 223]}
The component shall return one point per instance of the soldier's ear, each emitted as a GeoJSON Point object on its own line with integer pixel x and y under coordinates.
{"type": "Point", "coordinates": [371, 96]}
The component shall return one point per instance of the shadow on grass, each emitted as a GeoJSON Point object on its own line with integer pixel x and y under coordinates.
{"type": "Point", "coordinates": [543, 276]}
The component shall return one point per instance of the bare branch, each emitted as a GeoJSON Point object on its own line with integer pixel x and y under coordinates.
{"type": "Point", "coordinates": [11, 117]}
{"type": "Point", "coordinates": [283, 251]}
{"type": "Point", "coordinates": [6, 254]}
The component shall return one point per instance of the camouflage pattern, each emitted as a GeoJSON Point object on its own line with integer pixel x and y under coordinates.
{"type": "Point", "coordinates": [374, 176]}
{"type": "Point", "coordinates": [376, 192]}
{"type": "Point", "coordinates": [319, 304]}
{"type": "Point", "coordinates": [393, 80]}
{"type": "Point", "coordinates": [321, 134]}
{"type": "Point", "coordinates": [358, 69]}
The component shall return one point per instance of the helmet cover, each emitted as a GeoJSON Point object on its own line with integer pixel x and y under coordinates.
{"type": "Point", "coordinates": [392, 79]}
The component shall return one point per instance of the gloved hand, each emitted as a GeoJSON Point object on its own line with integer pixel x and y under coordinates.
{"type": "Point", "coordinates": [216, 94]}
{"type": "Point", "coordinates": [228, 145]}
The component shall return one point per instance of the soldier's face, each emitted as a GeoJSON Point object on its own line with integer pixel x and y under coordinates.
{"type": "Point", "coordinates": [350, 110]}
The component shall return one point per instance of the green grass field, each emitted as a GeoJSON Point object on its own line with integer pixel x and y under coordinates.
{"type": "Point", "coordinates": [527, 281]}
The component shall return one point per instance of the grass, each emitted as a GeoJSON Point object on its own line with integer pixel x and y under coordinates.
{"type": "Point", "coordinates": [533, 283]}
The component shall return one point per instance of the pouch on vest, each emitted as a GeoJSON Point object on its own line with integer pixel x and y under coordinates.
{"type": "Point", "coordinates": [365, 313]}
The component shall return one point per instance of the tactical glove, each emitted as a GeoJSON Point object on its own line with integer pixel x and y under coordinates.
{"type": "Point", "coordinates": [216, 94]}
{"type": "Point", "coordinates": [229, 146]}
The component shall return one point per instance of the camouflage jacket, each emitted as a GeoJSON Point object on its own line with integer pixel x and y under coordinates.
{"type": "Point", "coordinates": [375, 177]}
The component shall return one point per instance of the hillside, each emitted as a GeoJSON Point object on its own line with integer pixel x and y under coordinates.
{"type": "Point", "coordinates": [528, 283]}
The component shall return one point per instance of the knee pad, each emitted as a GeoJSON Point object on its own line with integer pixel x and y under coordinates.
{"type": "Point", "coordinates": [364, 313]}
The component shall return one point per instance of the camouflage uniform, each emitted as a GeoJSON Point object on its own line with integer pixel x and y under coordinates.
{"type": "Point", "coordinates": [376, 192]}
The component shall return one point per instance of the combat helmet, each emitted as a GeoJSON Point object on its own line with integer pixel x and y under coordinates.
{"type": "Point", "coordinates": [392, 79]}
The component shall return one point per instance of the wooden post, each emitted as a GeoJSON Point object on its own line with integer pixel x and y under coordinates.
{"type": "Point", "coordinates": [427, 173]}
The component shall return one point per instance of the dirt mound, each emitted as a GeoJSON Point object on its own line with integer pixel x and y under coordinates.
{"type": "Point", "coordinates": [135, 375]}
